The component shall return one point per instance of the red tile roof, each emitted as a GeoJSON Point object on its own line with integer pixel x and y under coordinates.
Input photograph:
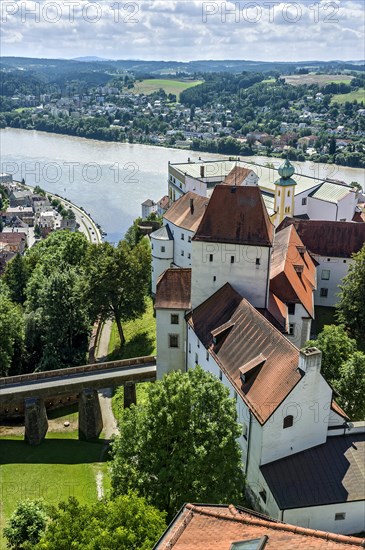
{"type": "Point", "coordinates": [174, 289]}
{"type": "Point", "coordinates": [237, 175]}
{"type": "Point", "coordinates": [208, 527]}
{"type": "Point", "coordinates": [263, 392]}
{"type": "Point", "coordinates": [12, 238]}
{"type": "Point", "coordinates": [183, 215]}
{"type": "Point", "coordinates": [328, 238]}
{"type": "Point", "coordinates": [236, 215]}
{"type": "Point", "coordinates": [293, 273]}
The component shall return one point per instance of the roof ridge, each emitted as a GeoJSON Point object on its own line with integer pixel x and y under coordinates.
{"type": "Point", "coordinates": [251, 519]}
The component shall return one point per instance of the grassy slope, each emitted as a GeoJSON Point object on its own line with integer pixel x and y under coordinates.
{"type": "Point", "coordinates": [140, 337]}
{"type": "Point", "coordinates": [61, 467]}
{"type": "Point", "coordinates": [149, 86]}
{"type": "Point", "coordinates": [320, 79]}
{"type": "Point", "coordinates": [359, 95]}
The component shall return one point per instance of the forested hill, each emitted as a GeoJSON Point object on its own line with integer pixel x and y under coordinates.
{"type": "Point", "coordinates": [158, 67]}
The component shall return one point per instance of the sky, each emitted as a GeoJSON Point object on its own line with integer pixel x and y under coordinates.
{"type": "Point", "coordinates": [184, 30]}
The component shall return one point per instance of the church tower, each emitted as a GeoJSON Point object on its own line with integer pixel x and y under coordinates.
{"type": "Point", "coordinates": [284, 192]}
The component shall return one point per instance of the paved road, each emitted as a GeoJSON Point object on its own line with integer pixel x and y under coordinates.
{"type": "Point", "coordinates": [102, 348]}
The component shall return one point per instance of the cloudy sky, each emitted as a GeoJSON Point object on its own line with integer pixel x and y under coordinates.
{"type": "Point", "coordinates": [185, 29]}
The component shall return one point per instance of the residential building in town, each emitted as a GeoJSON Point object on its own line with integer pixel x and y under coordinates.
{"type": "Point", "coordinates": [228, 527]}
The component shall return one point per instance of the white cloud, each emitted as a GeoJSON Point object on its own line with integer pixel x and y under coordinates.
{"type": "Point", "coordinates": [184, 30]}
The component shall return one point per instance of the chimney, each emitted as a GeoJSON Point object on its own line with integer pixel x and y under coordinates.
{"type": "Point", "coordinates": [202, 171]}
{"type": "Point", "coordinates": [310, 359]}
{"type": "Point", "coordinates": [191, 206]}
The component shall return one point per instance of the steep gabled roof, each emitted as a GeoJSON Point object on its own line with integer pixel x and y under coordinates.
{"type": "Point", "coordinates": [185, 214]}
{"type": "Point", "coordinates": [293, 273]}
{"type": "Point", "coordinates": [217, 527]}
{"type": "Point", "coordinates": [174, 289]}
{"type": "Point", "coordinates": [236, 215]}
{"type": "Point", "coordinates": [328, 238]}
{"type": "Point", "coordinates": [278, 375]}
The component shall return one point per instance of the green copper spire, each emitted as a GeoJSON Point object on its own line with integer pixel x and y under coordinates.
{"type": "Point", "coordinates": [286, 171]}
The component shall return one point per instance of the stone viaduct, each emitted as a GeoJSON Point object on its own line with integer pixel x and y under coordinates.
{"type": "Point", "coordinates": [32, 389]}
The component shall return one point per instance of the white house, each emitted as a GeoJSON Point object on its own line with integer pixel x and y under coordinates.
{"type": "Point", "coordinates": [171, 245]}
{"type": "Point", "coordinates": [227, 313]}
{"type": "Point", "coordinates": [331, 244]}
{"type": "Point", "coordinates": [233, 243]}
{"type": "Point", "coordinates": [287, 412]}
{"type": "Point", "coordinates": [330, 200]}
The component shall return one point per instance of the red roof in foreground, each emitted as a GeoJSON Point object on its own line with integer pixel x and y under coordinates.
{"type": "Point", "coordinates": [236, 215]}
{"type": "Point", "coordinates": [200, 527]}
{"type": "Point", "coordinates": [174, 289]}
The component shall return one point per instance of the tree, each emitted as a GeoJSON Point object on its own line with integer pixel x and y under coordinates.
{"type": "Point", "coordinates": [127, 523]}
{"type": "Point", "coordinates": [336, 347]}
{"type": "Point", "coordinates": [11, 332]}
{"type": "Point", "coordinates": [26, 525]}
{"type": "Point", "coordinates": [351, 307]}
{"type": "Point", "coordinates": [117, 281]}
{"type": "Point", "coordinates": [181, 445]}
{"type": "Point", "coordinates": [332, 146]}
{"type": "Point", "coordinates": [60, 316]}
{"type": "Point", "coordinates": [351, 386]}
{"type": "Point", "coordinates": [16, 277]}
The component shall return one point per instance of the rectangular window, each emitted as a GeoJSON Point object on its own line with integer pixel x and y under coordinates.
{"type": "Point", "coordinates": [257, 261]}
{"type": "Point", "coordinates": [340, 516]}
{"type": "Point", "coordinates": [304, 201]}
{"type": "Point", "coordinates": [288, 193]}
{"type": "Point", "coordinates": [214, 278]}
{"type": "Point", "coordinates": [210, 257]}
{"type": "Point", "coordinates": [182, 236]}
{"type": "Point", "coordinates": [174, 319]}
{"type": "Point", "coordinates": [207, 356]}
{"type": "Point", "coordinates": [189, 239]}
{"type": "Point", "coordinates": [196, 359]}
{"type": "Point", "coordinates": [291, 309]}
{"type": "Point", "coordinates": [263, 495]}
{"type": "Point", "coordinates": [324, 292]}
{"type": "Point", "coordinates": [220, 375]}
{"type": "Point", "coordinates": [162, 249]}
{"type": "Point", "coordinates": [189, 348]}
{"type": "Point", "coordinates": [182, 253]}
{"type": "Point", "coordinates": [189, 255]}
{"type": "Point", "coordinates": [232, 259]}
{"type": "Point", "coordinates": [291, 328]}
{"type": "Point", "coordinates": [173, 340]}
{"type": "Point", "coordinates": [325, 274]}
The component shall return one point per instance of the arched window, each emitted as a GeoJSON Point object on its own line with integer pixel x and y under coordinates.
{"type": "Point", "coordinates": [288, 421]}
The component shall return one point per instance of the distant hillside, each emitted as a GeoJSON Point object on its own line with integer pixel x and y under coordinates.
{"type": "Point", "coordinates": [172, 67]}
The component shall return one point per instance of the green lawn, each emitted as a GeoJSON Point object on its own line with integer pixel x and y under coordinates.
{"type": "Point", "coordinates": [60, 467]}
{"type": "Point", "coordinates": [358, 95]}
{"type": "Point", "coordinates": [140, 337]}
{"type": "Point", "coordinates": [118, 397]}
{"type": "Point", "coordinates": [150, 85]}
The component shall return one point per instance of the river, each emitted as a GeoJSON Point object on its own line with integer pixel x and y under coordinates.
{"type": "Point", "coordinates": [111, 180]}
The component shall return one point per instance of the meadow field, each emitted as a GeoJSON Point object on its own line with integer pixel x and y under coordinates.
{"type": "Point", "coordinates": [151, 85]}
{"type": "Point", "coordinates": [320, 79]}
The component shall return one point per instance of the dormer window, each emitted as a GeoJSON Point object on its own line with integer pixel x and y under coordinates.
{"type": "Point", "coordinates": [288, 421]}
